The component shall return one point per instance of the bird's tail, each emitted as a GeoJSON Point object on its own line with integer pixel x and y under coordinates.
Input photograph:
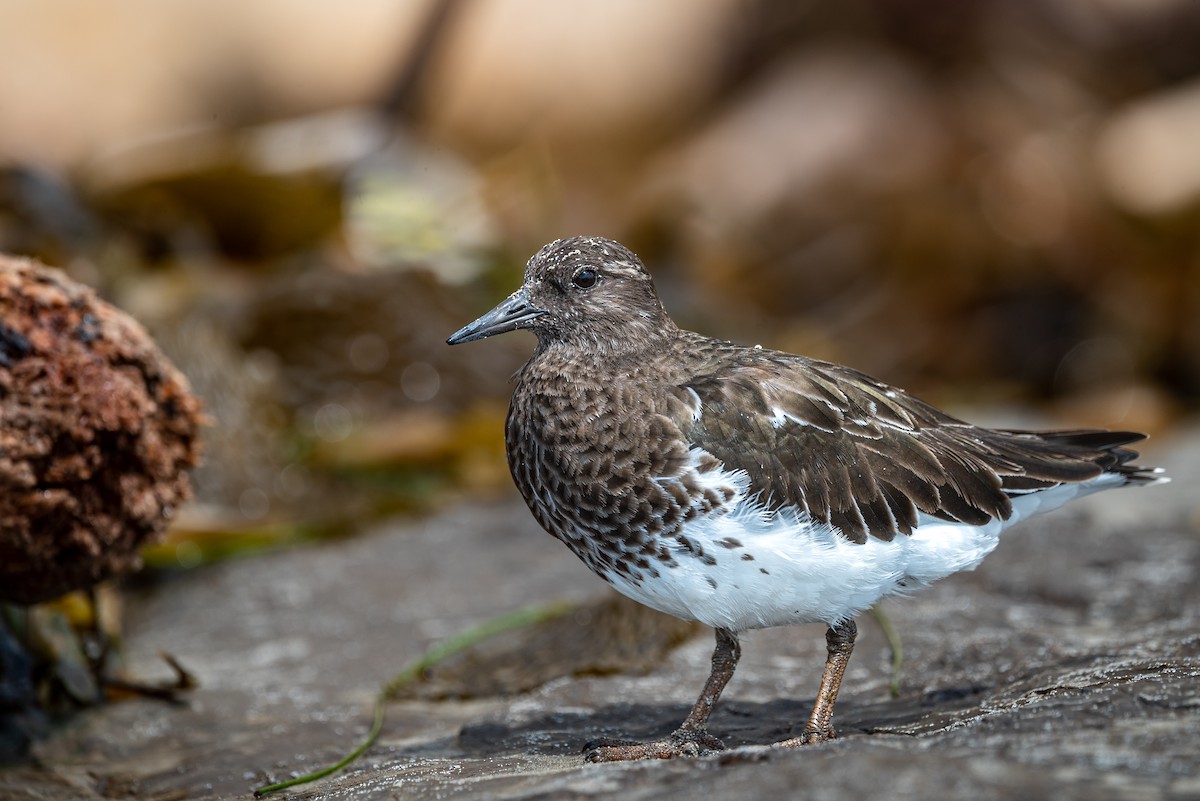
{"type": "Point", "coordinates": [1104, 449]}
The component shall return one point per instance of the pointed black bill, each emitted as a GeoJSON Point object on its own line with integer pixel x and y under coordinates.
{"type": "Point", "coordinates": [514, 312]}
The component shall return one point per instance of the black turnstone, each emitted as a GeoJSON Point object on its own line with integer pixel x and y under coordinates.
{"type": "Point", "coordinates": [747, 488]}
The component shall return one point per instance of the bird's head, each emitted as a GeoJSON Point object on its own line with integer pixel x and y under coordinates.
{"type": "Point", "coordinates": [588, 291]}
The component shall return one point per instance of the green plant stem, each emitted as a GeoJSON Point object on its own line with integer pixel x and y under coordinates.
{"type": "Point", "coordinates": [368, 741]}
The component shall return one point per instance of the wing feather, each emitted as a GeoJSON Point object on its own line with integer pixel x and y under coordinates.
{"type": "Point", "coordinates": [866, 457]}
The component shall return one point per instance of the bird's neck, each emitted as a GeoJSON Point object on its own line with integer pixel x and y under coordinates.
{"type": "Point", "coordinates": [628, 340]}
{"type": "Point", "coordinates": [604, 358]}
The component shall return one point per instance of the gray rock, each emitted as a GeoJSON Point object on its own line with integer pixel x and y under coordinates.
{"type": "Point", "coordinates": [1067, 667]}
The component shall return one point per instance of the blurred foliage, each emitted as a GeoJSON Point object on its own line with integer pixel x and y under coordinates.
{"type": "Point", "coordinates": [937, 193]}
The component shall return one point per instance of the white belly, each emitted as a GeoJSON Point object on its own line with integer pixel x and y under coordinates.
{"type": "Point", "coordinates": [787, 570]}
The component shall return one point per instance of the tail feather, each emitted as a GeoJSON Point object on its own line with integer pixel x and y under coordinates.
{"type": "Point", "coordinates": [1104, 449]}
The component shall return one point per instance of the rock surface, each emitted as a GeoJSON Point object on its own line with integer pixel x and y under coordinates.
{"type": "Point", "coordinates": [1067, 666]}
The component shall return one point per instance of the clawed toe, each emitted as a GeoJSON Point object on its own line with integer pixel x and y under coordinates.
{"type": "Point", "coordinates": [808, 737]}
{"type": "Point", "coordinates": [605, 742]}
{"type": "Point", "coordinates": [679, 744]}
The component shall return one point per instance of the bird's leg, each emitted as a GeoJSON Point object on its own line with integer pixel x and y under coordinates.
{"type": "Point", "coordinates": [691, 738]}
{"type": "Point", "coordinates": [839, 642]}
{"type": "Point", "coordinates": [724, 661]}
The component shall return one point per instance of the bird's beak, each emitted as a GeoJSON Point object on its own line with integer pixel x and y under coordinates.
{"type": "Point", "coordinates": [514, 312]}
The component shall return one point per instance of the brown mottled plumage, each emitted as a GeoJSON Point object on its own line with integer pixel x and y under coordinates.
{"type": "Point", "coordinates": [745, 487]}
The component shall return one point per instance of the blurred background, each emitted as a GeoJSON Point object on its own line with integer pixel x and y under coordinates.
{"type": "Point", "coordinates": [995, 204]}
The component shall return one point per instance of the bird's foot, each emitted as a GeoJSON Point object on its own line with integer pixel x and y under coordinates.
{"type": "Point", "coordinates": [682, 743]}
{"type": "Point", "coordinates": [808, 737]}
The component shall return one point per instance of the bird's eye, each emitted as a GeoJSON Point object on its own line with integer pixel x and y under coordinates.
{"type": "Point", "coordinates": [585, 278]}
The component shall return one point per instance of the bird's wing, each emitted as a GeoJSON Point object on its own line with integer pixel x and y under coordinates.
{"type": "Point", "coordinates": [866, 457]}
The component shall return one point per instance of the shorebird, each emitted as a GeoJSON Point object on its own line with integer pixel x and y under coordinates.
{"type": "Point", "coordinates": [745, 487]}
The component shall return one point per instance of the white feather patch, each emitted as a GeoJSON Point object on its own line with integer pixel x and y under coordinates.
{"type": "Point", "coordinates": [788, 569]}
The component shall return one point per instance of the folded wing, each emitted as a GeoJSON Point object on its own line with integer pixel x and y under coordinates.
{"type": "Point", "coordinates": [867, 458]}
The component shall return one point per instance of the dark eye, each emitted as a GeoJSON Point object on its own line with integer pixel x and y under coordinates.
{"type": "Point", "coordinates": [585, 278]}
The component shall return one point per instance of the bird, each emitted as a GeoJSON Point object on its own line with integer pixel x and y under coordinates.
{"type": "Point", "coordinates": [748, 488]}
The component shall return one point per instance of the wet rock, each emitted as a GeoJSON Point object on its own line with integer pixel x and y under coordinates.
{"type": "Point", "coordinates": [1065, 667]}
{"type": "Point", "coordinates": [97, 432]}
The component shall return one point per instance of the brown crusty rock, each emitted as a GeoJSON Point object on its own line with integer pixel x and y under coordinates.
{"type": "Point", "coordinates": [97, 433]}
